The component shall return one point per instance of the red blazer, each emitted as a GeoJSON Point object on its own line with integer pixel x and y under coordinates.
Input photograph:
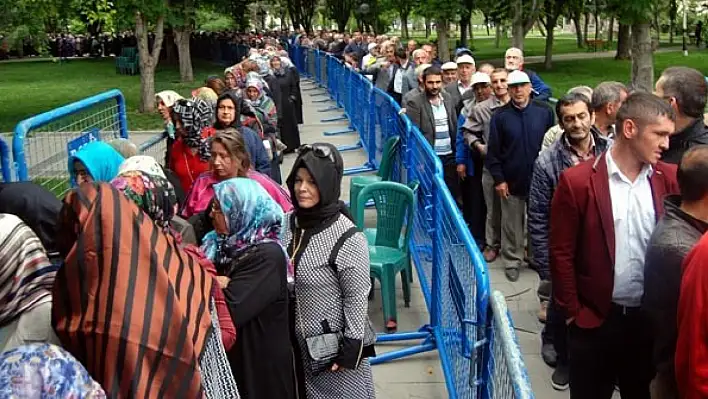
{"type": "Point", "coordinates": [582, 237]}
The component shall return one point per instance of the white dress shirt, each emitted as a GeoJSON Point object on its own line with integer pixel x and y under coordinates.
{"type": "Point", "coordinates": [634, 221]}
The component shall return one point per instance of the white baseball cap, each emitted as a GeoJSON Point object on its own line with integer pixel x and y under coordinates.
{"type": "Point", "coordinates": [517, 78]}
{"type": "Point", "coordinates": [448, 66]}
{"type": "Point", "coordinates": [465, 59]}
{"type": "Point", "coordinates": [481, 77]}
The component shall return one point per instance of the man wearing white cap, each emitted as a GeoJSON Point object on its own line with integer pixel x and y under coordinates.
{"type": "Point", "coordinates": [461, 89]}
{"type": "Point", "coordinates": [449, 70]}
{"type": "Point", "coordinates": [514, 61]}
{"type": "Point", "coordinates": [515, 135]}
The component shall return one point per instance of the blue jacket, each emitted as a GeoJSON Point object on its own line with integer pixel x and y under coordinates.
{"type": "Point", "coordinates": [256, 150]}
{"type": "Point", "coordinates": [542, 91]}
{"type": "Point", "coordinates": [462, 151]}
{"type": "Point", "coordinates": [515, 137]}
{"type": "Point", "coordinates": [546, 172]}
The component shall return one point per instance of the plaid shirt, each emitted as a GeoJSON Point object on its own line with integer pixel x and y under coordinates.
{"type": "Point", "coordinates": [577, 157]}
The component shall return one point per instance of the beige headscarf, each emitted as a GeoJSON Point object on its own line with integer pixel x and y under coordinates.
{"type": "Point", "coordinates": [168, 97]}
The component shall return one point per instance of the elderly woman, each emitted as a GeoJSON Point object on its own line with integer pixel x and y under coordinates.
{"type": "Point", "coordinates": [234, 77]}
{"type": "Point", "coordinates": [229, 159]}
{"type": "Point", "coordinates": [139, 313]}
{"type": "Point", "coordinates": [245, 248]}
{"type": "Point", "coordinates": [95, 162]}
{"type": "Point", "coordinates": [189, 156]}
{"type": "Point", "coordinates": [155, 196]}
{"type": "Point", "coordinates": [288, 64]}
{"type": "Point", "coordinates": [287, 112]}
{"type": "Point", "coordinates": [165, 102]}
{"type": "Point", "coordinates": [331, 262]}
{"type": "Point", "coordinates": [229, 109]}
{"type": "Point", "coordinates": [26, 281]}
{"type": "Point", "coordinates": [264, 120]}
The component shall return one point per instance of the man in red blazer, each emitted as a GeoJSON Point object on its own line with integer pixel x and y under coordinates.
{"type": "Point", "coordinates": [602, 215]}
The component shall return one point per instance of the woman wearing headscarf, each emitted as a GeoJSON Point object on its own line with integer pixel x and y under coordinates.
{"type": "Point", "coordinates": [155, 196]}
{"type": "Point", "coordinates": [189, 156]}
{"type": "Point", "coordinates": [229, 109]}
{"type": "Point", "coordinates": [287, 118]}
{"type": "Point", "coordinates": [26, 279]}
{"type": "Point", "coordinates": [95, 162]}
{"type": "Point", "coordinates": [149, 165]}
{"type": "Point", "coordinates": [288, 64]}
{"type": "Point", "coordinates": [229, 159]}
{"type": "Point", "coordinates": [332, 298]}
{"type": "Point", "coordinates": [244, 247]}
{"type": "Point", "coordinates": [235, 78]}
{"type": "Point", "coordinates": [37, 207]}
{"type": "Point", "coordinates": [132, 306]}
{"type": "Point", "coordinates": [264, 120]}
{"type": "Point", "coordinates": [166, 100]}
{"type": "Point", "coordinates": [45, 371]}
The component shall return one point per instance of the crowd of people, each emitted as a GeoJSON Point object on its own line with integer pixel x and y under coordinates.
{"type": "Point", "coordinates": [196, 275]}
{"type": "Point", "coordinates": [604, 195]}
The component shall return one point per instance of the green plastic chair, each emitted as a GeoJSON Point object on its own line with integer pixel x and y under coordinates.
{"type": "Point", "coordinates": [370, 232]}
{"type": "Point", "coordinates": [389, 256]}
{"type": "Point", "coordinates": [383, 174]}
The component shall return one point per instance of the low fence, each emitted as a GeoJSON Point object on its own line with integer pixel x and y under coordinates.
{"type": "Point", "coordinates": [469, 327]}
{"type": "Point", "coordinates": [42, 144]}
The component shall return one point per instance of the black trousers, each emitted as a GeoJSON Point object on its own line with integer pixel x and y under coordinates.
{"type": "Point", "coordinates": [452, 181]}
{"type": "Point", "coordinates": [619, 351]}
{"type": "Point", "coordinates": [556, 332]}
{"type": "Point", "coordinates": [474, 208]}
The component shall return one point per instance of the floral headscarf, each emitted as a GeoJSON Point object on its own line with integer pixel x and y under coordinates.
{"type": "Point", "coordinates": [258, 84]}
{"type": "Point", "coordinates": [153, 194]}
{"type": "Point", "coordinates": [251, 76]}
{"type": "Point", "coordinates": [195, 114]}
{"type": "Point", "coordinates": [280, 71]}
{"type": "Point", "coordinates": [45, 371]}
{"type": "Point", "coordinates": [252, 217]}
{"type": "Point", "coordinates": [238, 74]}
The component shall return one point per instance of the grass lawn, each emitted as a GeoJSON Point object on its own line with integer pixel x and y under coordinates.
{"type": "Point", "coordinates": [567, 74]}
{"type": "Point", "coordinates": [30, 88]}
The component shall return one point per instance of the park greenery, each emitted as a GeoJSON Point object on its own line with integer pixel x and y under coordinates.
{"type": "Point", "coordinates": [633, 28]}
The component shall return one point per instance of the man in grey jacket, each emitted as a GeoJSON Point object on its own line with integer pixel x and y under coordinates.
{"type": "Point", "coordinates": [578, 143]}
{"type": "Point", "coordinates": [685, 221]}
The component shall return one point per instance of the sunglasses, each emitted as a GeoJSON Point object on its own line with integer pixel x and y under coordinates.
{"type": "Point", "coordinates": [320, 151]}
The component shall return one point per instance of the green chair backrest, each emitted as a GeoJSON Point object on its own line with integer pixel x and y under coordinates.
{"type": "Point", "coordinates": [129, 52]}
{"type": "Point", "coordinates": [388, 155]}
{"type": "Point", "coordinates": [395, 206]}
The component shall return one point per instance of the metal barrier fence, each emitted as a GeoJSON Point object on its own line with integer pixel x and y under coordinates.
{"type": "Point", "coordinates": [5, 161]}
{"type": "Point", "coordinates": [472, 332]}
{"type": "Point", "coordinates": [41, 144]}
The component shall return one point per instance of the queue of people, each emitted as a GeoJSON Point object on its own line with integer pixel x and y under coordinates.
{"type": "Point", "coordinates": [217, 293]}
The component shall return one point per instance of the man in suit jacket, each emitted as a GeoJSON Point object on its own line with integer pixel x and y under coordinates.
{"type": "Point", "coordinates": [403, 78]}
{"type": "Point", "coordinates": [384, 70]}
{"type": "Point", "coordinates": [461, 89]}
{"type": "Point", "coordinates": [433, 111]}
{"type": "Point", "coordinates": [602, 216]}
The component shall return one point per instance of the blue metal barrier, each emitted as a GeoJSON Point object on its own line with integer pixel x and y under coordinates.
{"type": "Point", "coordinates": [473, 335]}
{"type": "Point", "coordinates": [5, 161]}
{"type": "Point", "coordinates": [155, 146]}
{"type": "Point", "coordinates": [40, 144]}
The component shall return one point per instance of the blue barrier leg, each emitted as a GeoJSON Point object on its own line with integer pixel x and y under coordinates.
{"type": "Point", "coordinates": [324, 93]}
{"type": "Point", "coordinates": [331, 108]}
{"type": "Point", "coordinates": [310, 88]}
{"type": "Point", "coordinates": [322, 100]}
{"type": "Point", "coordinates": [359, 169]}
{"type": "Point", "coordinates": [404, 336]}
{"type": "Point", "coordinates": [334, 118]}
{"type": "Point", "coordinates": [349, 147]}
{"type": "Point", "coordinates": [340, 131]}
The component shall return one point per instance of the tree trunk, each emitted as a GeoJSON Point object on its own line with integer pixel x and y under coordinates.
{"type": "Point", "coordinates": [182, 36]}
{"type": "Point", "coordinates": [623, 42]}
{"type": "Point", "coordinates": [464, 23]}
{"type": "Point", "coordinates": [443, 45]}
{"type": "Point", "coordinates": [597, 21]}
{"type": "Point", "coordinates": [539, 26]}
{"type": "Point", "coordinates": [611, 33]}
{"type": "Point", "coordinates": [517, 27]}
{"type": "Point", "coordinates": [642, 57]}
{"type": "Point", "coordinates": [578, 32]}
{"type": "Point", "coordinates": [658, 27]}
{"type": "Point", "coordinates": [404, 25]}
{"type": "Point", "coordinates": [548, 63]}
{"type": "Point", "coordinates": [671, 31]}
{"type": "Point", "coordinates": [427, 27]}
{"type": "Point", "coordinates": [586, 24]}
{"type": "Point", "coordinates": [148, 60]}
{"type": "Point", "coordinates": [486, 24]}
{"type": "Point", "coordinates": [497, 34]}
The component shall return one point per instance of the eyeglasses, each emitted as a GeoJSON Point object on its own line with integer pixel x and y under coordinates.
{"type": "Point", "coordinates": [320, 151]}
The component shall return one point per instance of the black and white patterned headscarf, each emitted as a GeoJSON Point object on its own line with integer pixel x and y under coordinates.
{"type": "Point", "coordinates": [195, 114]}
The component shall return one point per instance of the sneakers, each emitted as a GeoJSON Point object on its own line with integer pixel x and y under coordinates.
{"type": "Point", "coordinates": [549, 355]}
{"type": "Point", "coordinates": [561, 377]}
{"type": "Point", "coordinates": [490, 254]}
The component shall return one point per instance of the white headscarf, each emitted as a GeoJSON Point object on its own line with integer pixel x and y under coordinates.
{"type": "Point", "coordinates": [168, 97]}
{"type": "Point", "coordinates": [142, 163]}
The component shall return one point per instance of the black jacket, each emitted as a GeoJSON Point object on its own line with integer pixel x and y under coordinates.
{"type": "Point", "coordinates": [672, 239]}
{"type": "Point", "coordinates": [691, 135]}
